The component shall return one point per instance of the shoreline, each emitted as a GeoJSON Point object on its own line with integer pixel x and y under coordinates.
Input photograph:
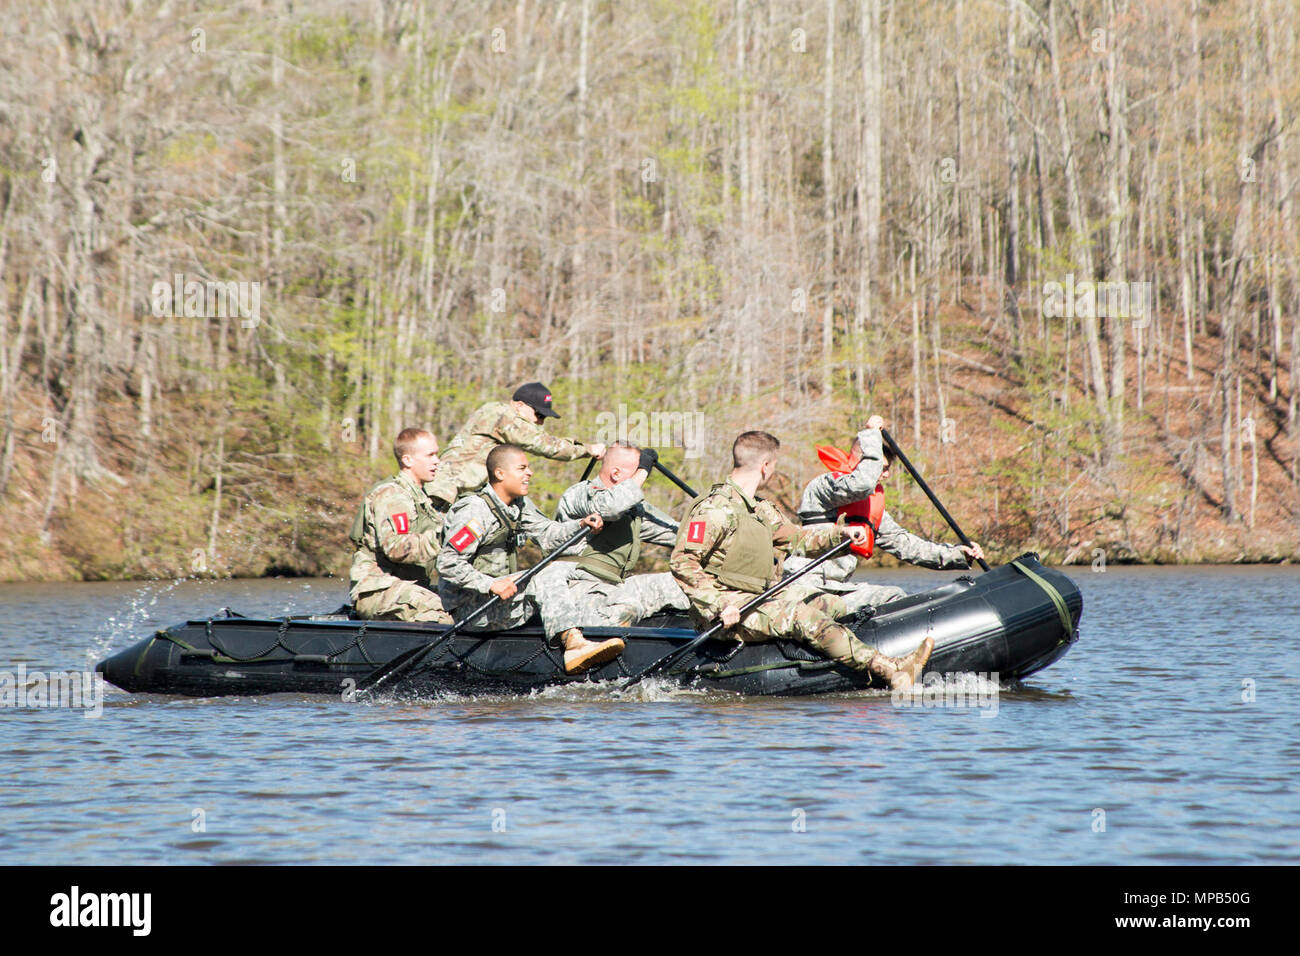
{"type": "Point", "coordinates": [1049, 558]}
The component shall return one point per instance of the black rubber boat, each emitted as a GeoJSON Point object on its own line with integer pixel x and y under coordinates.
{"type": "Point", "coordinates": [1012, 621]}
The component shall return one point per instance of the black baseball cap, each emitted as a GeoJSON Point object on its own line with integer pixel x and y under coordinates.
{"type": "Point", "coordinates": [537, 397]}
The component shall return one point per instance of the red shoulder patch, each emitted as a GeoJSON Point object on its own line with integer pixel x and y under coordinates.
{"type": "Point", "coordinates": [695, 533]}
{"type": "Point", "coordinates": [462, 539]}
{"type": "Point", "coordinates": [401, 522]}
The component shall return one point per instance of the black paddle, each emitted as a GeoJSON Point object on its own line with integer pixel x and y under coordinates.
{"type": "Point", "coordinates": [672, 657]}
{"type": "Point", "coordinates": [404, 662]}
{"type": "Point", "coordinates": [658, 464]}
{"type": "Point", "coordinates": [898, 452]}
{"type": "Point", "coordinates": [675, 480]}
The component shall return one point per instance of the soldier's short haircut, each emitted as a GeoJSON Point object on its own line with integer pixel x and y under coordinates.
{"type": "Point", "coordinates": [405, 441]}
{"type": "Point", "coordinates": [500, 457]}
{"type": "Point", "coordinates": [750, 448]}
{"type": "Point", "coordinates": [625, 445]}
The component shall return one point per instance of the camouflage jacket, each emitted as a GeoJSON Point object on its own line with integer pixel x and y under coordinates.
{"type": "Point", "coordinates": [477, 548]}
{"type": "Point", "coordinates": [916, 550]}
{"type": "Point", "coordinates": [707, 533]}
{"type": "Point", "coordinates": [630, 520]}
{"type": "Point", "coordinates": [826, 493]}
{"type": "Point", "coordinates": [463, 466]}
{"type": "Point", "coordinates": [397, 533]}
{"type": "Point", "coordinates": [625, 498]}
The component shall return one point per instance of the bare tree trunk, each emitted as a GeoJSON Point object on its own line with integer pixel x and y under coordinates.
{"type": "Point", "coordinates": [11, 363]}
{"type": "Point", "coordinates": [916, 356]}
{"type": "Point", "coordinates": [215, 523]}
{"type": "Point", "coordinates": [1011, 274]}
{"type": "Point", "coordinates": [1117, 165]}
{"type": "Point", "coordinates": [872, 83]}
{"type": "Point", "coordinates": [1080, 257]}
{"type": "Point", "coordinates": [828, 198]}
{"type": "Point", "coordinates": [1234, 303]}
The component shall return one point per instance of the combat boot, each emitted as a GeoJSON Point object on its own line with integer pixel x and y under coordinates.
{"type": "Point", "coordinates": [581, 654]}
{"type": "Point", "coordinates": [901, 672]}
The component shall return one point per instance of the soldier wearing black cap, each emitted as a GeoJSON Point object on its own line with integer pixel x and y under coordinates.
{"type": "Point", "coordinates": [516, 422]}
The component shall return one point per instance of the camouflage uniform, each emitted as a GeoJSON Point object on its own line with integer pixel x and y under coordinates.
{"type": "Point", "coordinates": [483, 537]}
{"type": "Point", "coordinates": [722, 557]}
{"type": "Point", "coordinates": [603, 587]}
{"type": "Point", "coordinates": [826, 493]}
{"type": "Point", "coordinates": [397, 533]}
{"type": "Point", "coordinates": [463, 466]}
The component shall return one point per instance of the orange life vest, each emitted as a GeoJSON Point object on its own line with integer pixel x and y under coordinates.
{"type": "Point", "coordinates": [867, 511]}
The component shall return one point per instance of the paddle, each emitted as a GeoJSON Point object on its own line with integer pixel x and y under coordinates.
{"type": "Point", "coordinates": [898, 452]}
{"type": "Point", "coordinates": [672, 657]}
{"type": "Point", "coordinates": [675, 480]}
{"type": "Point", "coordinates": [658, 464]}
{"type": "Point", "coordinates": [404, 662]}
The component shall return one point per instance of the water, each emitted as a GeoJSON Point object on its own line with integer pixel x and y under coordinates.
{"type": "Point", "coordinates": [1137, 747]}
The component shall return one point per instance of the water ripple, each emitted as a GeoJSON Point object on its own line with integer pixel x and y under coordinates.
{"type": "Point", "coordinates": [1167, 736]}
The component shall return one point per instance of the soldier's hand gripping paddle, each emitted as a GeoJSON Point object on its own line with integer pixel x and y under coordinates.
{"type": "Point", "coordinates": [911, 469]}
{"type": "Point", "coordinates": [405, 662]}
{"type": "Point", "coordinates": [672, 657]}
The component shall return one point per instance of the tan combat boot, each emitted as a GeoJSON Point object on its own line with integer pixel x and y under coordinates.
{"type": "Point", "coordinates": [902, 672]}
{"type": "Point", "coordinates": [581, 654]}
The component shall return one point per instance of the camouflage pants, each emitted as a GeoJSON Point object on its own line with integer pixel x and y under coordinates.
{"type": "Point", "coordinates": [832, 577]}
{"type": "Point", "coordinates": [547, 594]}
{"type": "Point", "coordinates": [801, 613]}
{"type": "Point", "coordinates": [639, 596]}
{"type": "Point", "coordinates": [404, 601]}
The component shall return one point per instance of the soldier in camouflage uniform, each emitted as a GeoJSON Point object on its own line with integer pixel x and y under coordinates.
{"type": "Point", "coordinates": [602, 584]}
{"type": "Point", "coordinates": [397, 533]}
{"type": "Point", "coordinates": [479, 559]}
{"type": "Point", "coordinates": [826, 493]}
{"type": "Point", "coordinates": [516, 422]}
{"type": "Point", "coordinates": [731, 546]}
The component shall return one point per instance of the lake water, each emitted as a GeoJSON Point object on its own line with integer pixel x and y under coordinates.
{"type": "Point", "coordinates": [1168, 735]}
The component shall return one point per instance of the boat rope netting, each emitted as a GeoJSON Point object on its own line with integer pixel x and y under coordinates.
{"type": "Point", "coordinates": [221, 654]}
{"type": "Point", "coordinates": [447, 659]}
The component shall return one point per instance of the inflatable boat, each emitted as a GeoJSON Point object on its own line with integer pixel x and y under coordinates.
{"type": "Point", "coordinates": [1009, 623]}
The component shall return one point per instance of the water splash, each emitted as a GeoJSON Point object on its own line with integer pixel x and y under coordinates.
{"type": "Point", "coordinates": [119, 630]}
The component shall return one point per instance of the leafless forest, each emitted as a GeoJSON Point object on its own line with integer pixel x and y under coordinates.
{"type": "Point", "coordinates": [1053, 242]}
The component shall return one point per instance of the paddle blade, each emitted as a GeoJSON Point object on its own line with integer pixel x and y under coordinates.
{"type": "Point", "coordinates": [394, 669]}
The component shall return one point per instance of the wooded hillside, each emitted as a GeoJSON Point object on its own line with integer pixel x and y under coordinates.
{"type": "Point", "coordinates": [1054, 242]}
